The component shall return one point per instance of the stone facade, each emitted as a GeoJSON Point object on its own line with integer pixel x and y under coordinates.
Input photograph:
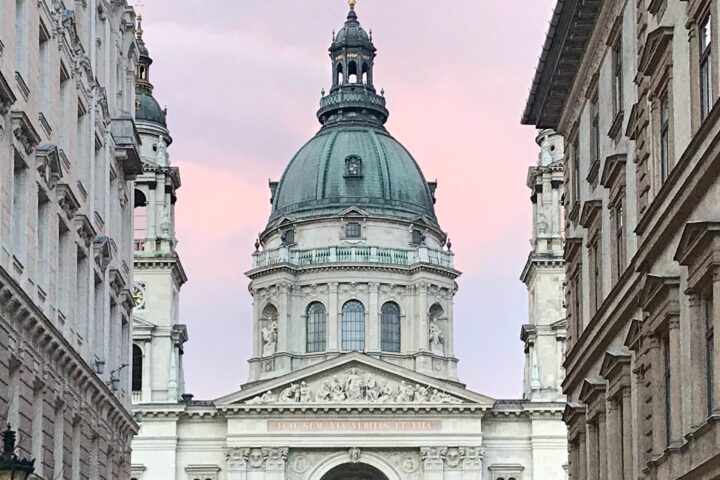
{"type": "Point", "coordinates": [632, 86]}
{"type": "Point", "coordinates": [68, 155]}
{"type": "Point", "coordinates": [158, 336]}
{"type": "Point", "coordinates": [353, 372]}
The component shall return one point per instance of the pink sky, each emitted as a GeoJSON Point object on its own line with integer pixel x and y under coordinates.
{"type": "Point", "coordinates": [242, 80]}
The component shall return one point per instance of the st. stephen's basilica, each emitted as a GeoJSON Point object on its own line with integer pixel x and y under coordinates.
{"type": "Point", "coordinates": [353, 373]}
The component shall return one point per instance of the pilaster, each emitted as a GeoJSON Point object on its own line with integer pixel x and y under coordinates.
{"type": "Point", "coordinates": [433, 462]}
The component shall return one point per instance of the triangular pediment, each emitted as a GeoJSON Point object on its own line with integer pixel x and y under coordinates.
{"type": "Point", "coordinates": [355, 379]}
{"type": "Point", "coordinates": [354, 212]}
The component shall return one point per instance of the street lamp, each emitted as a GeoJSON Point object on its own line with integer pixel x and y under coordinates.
{"type": "Point", "coordinates": [11, 467]}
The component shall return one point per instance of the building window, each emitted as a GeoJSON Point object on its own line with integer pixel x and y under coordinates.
{"type": "Point", "coordinates": [705, 39]}
{"type": "Point", "coordinates": [353, 166]}
{"type": "Point", "coordinates": [619, 224]}
{"type": "Point", "coordinates": [137, 366]}
{"type": "Point", "coordinates": [316, 327]}
{"type": "Point", "coordinates": [617, 76]}
{"type": "Point", "coordinates": [595, 132]}
{"type": "Point", "coordinates": [140, 215]}
{"type": "Point", "coordinates": [418, 237]}
{"type": "Point", "coordinates": [577, 303]}
{"type": "Point", "coordinates": [353, 230]}
{"type": "Point", "coordinates": [595, 275]}
{"type": "Point", "coordinates": [19, 208]}
{"type": "Point", "coordinates": [390, 328]}
{"type": "Point", "coordinates": [709, 351]}
{"type": "Point", "coordinates": [667, 388]}
{"type": "Point", "coordinates": [664, 137]}
{"type": "Point", "coordinates": [576, 170]}
{"type": "Point", "coordinates": [353, 326]}
{"type": "Point", "coordinates": [43, 249]}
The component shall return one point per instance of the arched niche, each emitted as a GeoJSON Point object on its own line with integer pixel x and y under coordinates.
{"type": "Point", "coordinates": [370, 466]}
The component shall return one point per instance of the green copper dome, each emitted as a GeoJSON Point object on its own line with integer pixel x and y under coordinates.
{"type": "Point", "coordinates": [148, 109]}
{"type": "Point", "coordinates": [353, 161]}
{"type": "Point", "coordinates": [359, 166]}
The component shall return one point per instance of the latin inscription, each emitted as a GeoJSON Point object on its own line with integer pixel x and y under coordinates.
{"type": "Point", "coordinates": [355, 426]}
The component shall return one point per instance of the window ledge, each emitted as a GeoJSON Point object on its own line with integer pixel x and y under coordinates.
{"type": "Point", "coordinates": [22, 85]}
{"type": "Point", "coordinates": [616, 125]}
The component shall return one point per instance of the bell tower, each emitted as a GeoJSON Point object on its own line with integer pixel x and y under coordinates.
{"type": "Point", "coordinates": [158, 336]}
{"type": "Point", "coordinates": [544, 274]}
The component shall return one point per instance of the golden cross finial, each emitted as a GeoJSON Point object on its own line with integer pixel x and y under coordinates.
{"type": "Point", "coordinates": [352, 3]}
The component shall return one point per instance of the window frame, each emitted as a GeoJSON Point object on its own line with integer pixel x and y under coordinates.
{"type": "Point", "coordinates": [664, 141]}
{"type": "Point", "coordinates": [617, 76]}
{"type": "Point", "coordinates": [390, 326]}
{"type": "Point", "coordinates": [705, 69]}
{"type": "Point", "coordinates": [708, 302]}
{"type": "Point", "coordinates": [318, 319]}
{"type": "Point", "coordinates": [349, 234]}
{"type": "Point", "coordinates": [357, 322]}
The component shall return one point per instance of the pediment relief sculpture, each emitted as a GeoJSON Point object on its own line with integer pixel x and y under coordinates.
{"type": "Point", "coordinates": [355, 386]}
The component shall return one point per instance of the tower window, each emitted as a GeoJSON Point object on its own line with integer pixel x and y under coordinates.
{"type": "Point", "coordinates": [353, 166]}
{"type": "Point", "coordinates": [353, 230]}
{"type": "Point", "coordinates": [316, 327]}
{"type": "Point", "coordinates": [352, 72]}
{"type": "Point", "coordinates": [137, 364]}
{"type": "Point", "coordinates": [390, 328]}
{"type": "Point", "coordinates": [353, 326]}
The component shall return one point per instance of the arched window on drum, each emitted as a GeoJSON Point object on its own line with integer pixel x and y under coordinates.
{"type": "Point", "coordinates": [353, 326]}
{"type": "Point", "coordinates": [316, 327]}
{"type": "Point", "coordinates": [390, 327]}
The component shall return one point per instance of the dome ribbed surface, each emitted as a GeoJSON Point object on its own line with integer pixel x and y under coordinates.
{"type": "Point", "coordinates": [316, 181]}
{"type": "Point", "coordinates": [148, 109]}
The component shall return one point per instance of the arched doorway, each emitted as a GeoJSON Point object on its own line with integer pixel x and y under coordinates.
{"type": "Point", "coordinates": [354, 471]}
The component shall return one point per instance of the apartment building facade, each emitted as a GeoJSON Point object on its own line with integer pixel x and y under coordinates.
{"type": "Point", "coordinates": [68, 155]}
{"type": "Point", "coordinates": [632, 85]}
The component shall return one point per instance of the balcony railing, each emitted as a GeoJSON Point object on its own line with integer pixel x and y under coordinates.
{"type": "Point", "coordinates": [136, 397]}
{"type": "Point", "coordinates": [354, 254]}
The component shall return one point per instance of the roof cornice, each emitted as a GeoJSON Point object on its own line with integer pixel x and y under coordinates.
{"type": "Point", "coordinates": [571, 26]}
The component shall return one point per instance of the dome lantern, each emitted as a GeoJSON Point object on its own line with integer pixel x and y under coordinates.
{"type": "Point", "coordinates": [353, 161]}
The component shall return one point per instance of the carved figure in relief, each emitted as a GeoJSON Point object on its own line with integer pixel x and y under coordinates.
{"type": "Point", "coordinates": [421, 394]}
{"type": "Point", "coordinates": [406, 393]}
{"type": "Point", "coordinates": [256, 458]}
{"type": "Point", "coordinates": [266, 397]}
{"type": "Point", "coordinates": [305, 395]}
{"type": "Point", "coordinates": [325, 392]}
{"type": "Point", "coordinates": [452, 458]}
{"type": "Point", "coordinates": [436, 338]}
{"type": "Point", "coordinates": [354, 453]}
{"type": "Point", "coordinates": [353, 385]}
{"type": "Point", "coordinates": [290, 394]}
{"type": "Point", "coordinates": [386, 393]}
{"type": "Point", "coordinates": [338, 394]}
{"type": "Point", "coordinates": [269, 336]}
{"type": "Point", "coordinates": [372, 392]}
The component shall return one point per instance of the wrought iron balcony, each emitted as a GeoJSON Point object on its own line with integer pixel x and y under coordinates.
{"type": "Point", "coordinates": [353, 254]}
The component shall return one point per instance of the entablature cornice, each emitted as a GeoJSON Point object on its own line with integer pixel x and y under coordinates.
{"type": "Point", "coordinates": [286, 267]}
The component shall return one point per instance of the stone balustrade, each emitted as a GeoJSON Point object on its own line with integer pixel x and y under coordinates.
{"type": "Point", "coordinates": [353, 254]}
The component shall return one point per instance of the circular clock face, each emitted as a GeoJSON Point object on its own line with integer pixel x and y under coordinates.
{"type": "Point", "coordinates": [138, 294]}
